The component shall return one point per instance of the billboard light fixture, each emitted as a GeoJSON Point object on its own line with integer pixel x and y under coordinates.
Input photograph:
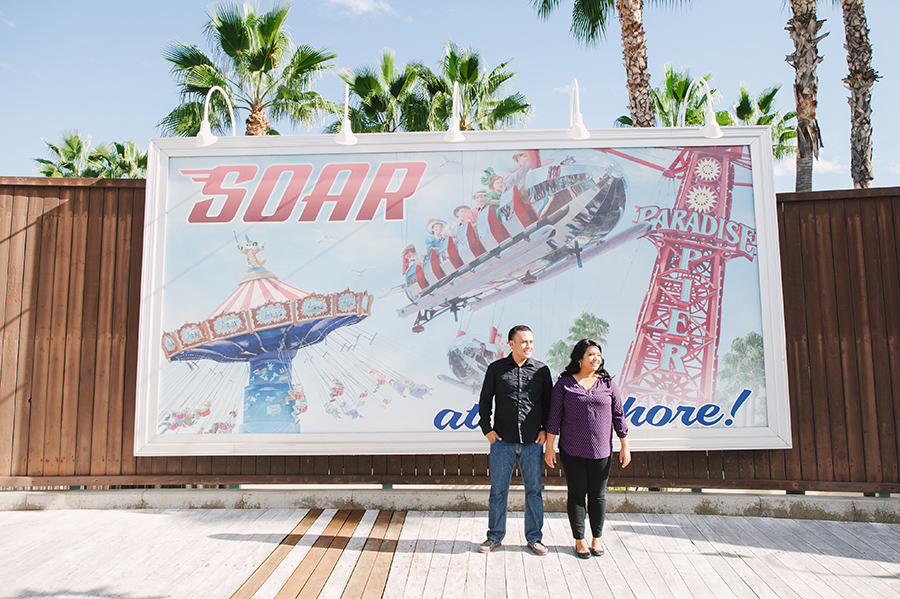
{"type": "Point", "coordinates": [710, 128]}
{"type": "Point", "coordinates": [345, 136]}
{"type": "Point", "coordinates": [205, 136]}
{"type": "Point", "coordinates": [453, 133]}
{"type": "Point", "coordinates": [577, 130]}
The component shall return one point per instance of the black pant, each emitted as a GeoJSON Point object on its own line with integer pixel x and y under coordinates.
{"type": "Point", "coordinates": [585, 477]}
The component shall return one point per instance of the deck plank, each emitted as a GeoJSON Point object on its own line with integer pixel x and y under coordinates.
{"type": "Point", "coordinates": [289, 564]}
{"type": "Point", "coordinates": [343, 569]}
{"type": "Point", "coordinates": [514, 555]}
{"type": "Point", "coordinates": [764, 563]}
{"type": "Point", "coordinates": [551, 564]}
{"type": "Point", "coordinates": [422, 555]}
{"type": "Point", "coordinates": [684, 559]}
{"type": "Point", "coordinates": [698, 552]}
{"type": "Point", "coordinates": [377, 581]}
{"type": "Point", "coordinates": [265, 569]}
{"type": "Point", "coordinates": [330, 556]}
{"type": "Point", "coordinates": [439, 569]}
{"type": "Point", "coordinates": [462, 548]}
{"type": "Point", "coordinates": [406, 545]}
{"type": "Point", "coordinates": [557, 528]}
{"type": "Point", "coordinates": [814, 556]}
{"type": "Point", "coordinates": [307, 566]}
{"type": "Point", "coordinates": [847, 540]}
{"type": "Point", "coordinates": [731, 559]}
{"type": "Point", "coordinates": [476, 572]}
{"type": "Point", "coordinates": [620, 548]}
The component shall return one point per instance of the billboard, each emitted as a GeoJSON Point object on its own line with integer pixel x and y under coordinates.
{"type": "Point", "coordinates": [303, 297]}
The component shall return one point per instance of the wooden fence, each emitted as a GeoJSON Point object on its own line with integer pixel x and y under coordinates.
{"type": "Point", "coordinates": [71, 251]}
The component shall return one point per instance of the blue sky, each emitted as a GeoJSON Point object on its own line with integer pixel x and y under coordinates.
{"type": "Point", "coordinates": [95, 65]}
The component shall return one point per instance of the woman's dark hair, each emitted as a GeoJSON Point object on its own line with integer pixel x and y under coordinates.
{"type": "Point", "coordinates": [575, 360]}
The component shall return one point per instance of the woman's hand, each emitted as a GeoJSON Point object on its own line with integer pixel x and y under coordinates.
{"type": "Point", "coordinates": [624, 453]}
{"type": "Point", "coordinates": [549, 452]}
{"type": "Point", "coordinates": [549, 456]}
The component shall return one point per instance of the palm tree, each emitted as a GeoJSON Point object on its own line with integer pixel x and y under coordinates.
{"type": "Point", "coordinates": [744, 367]}
{"type": "Point", "coordinates": [859, 81]}
{"type": "Point", "coordinates": [122, 161]}
{"type": "Point", "coordinates": [388, 100]}
{"type": "Point", "coordinates": [256, 63]}
{"type": "Point", "coordinates": [73, 157]}
{"type": "Point", "coordinates": [669, 100]}
{"type": "Point", "coordinates": [589, 21]}
{"type": "Point", "coordinates": [481, 106]}
{"type": "Point", "coordinates": [803, 27]}
{"type": "Point", "coordinates": [586, 326]}
{"type": "Point", "coordinates": [762, 110]}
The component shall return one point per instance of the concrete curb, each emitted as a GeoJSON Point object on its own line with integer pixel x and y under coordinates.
{"type": "Point", "coordinates": [851, 509]}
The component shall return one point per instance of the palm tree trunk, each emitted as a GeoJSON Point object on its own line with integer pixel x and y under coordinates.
{"type": "Point", "coordinates": [257, 124]}
{"type": "Point", "coordinates": [634, 55]}
{"type": "Point", "coordinates": [803, 28]}
{"type": "Point", "coordinates": [859, 81]}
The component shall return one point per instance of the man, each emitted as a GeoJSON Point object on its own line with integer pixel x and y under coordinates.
{"type": "Point", "coordinates": [516, 391]}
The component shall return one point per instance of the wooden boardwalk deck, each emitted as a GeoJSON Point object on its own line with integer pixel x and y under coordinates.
{"type": "Point", "coordinates": [275, 554]}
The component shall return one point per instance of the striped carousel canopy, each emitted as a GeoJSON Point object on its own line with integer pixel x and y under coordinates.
{"type": "Point", "coordinates": [258, 287]}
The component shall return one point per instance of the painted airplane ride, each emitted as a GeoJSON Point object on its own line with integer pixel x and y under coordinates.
{"type": "Point", "coordinates": [561, 216]}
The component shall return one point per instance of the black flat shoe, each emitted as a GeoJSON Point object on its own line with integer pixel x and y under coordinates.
{"type": "Point", "coordinates": [597, 552]}
{"type": "Point", "coordinates": [583, 554]}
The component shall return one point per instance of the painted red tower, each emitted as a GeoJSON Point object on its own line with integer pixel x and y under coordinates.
{"type": "Point", "coordinates": [673, 358]}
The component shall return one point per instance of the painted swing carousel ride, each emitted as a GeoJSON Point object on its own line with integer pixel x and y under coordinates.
{"type": "Point", "coordinates": [277, 337]}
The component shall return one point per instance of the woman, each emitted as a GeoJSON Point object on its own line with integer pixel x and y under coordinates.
{"type": "Point", "coordinates": [585, 407]}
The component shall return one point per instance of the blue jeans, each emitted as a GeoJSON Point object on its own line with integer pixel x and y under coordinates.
{"type": "Point", "coordinates": [503, 460]}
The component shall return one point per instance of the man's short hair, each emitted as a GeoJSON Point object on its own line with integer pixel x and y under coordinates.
{"type": "Point", "coordinates": [516, 329]}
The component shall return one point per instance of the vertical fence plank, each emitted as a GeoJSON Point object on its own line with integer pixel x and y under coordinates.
{"type": "Point", "coordinates": [803, 394]}
{"type": "Point", "coordinates": [45, 204]}
{"type": "Point", "coordinates": [118, 323]}
{"type": "Point", "coordinates": [89, 332]}
{"type": "Point", "coordinates": [105, 306]}
{"type": "Point", "coordinates": [129, 462]}
{"type": "Point", "coordinates": [71, 374]}
{"type": "Point", "coordinates": [880, 364]}
{"type": "Point", "coordinates": [364, 465]}
{"type": "Point", "coordinates": [794, 327]}
{"type": "Point", "coordinates": [849, 390]}
{"type": "Point", "coordinates": [889, 237]}
{"type": "Point", "coordinates": [830, 343]}
{"type": "Point", "coordinates": [57, 339]}
{"type": "Point", "coordinates": [818, 415]}
{"type": "Point", "coordinates": [894, 313]}
{"type": "Point", "coordinates": [9, 332]}
{"type": "Point", "coordinates": [867, 401]}
{"type": "Point", "coordinates": [30, 226]}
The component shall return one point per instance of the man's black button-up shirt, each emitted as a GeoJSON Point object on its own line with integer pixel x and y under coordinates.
{"type": "Point", "coordinates": [522, 398]}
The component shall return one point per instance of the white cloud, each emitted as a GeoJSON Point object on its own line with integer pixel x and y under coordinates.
{"type": "Point", "coordinates": [895, 168]}
{"type": "Point", "coordinates": [364, 6]}
{"type": "Point", "coordinates": [785, 167]}
{"type": "Point", "coordinates": [5, 66]}
{"type": "Point", "coordinates": [7, 22]}
{"type": "Point", "coordinates": [828, 166]}
{"type": "Point", "coordinates": [821, 166]}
